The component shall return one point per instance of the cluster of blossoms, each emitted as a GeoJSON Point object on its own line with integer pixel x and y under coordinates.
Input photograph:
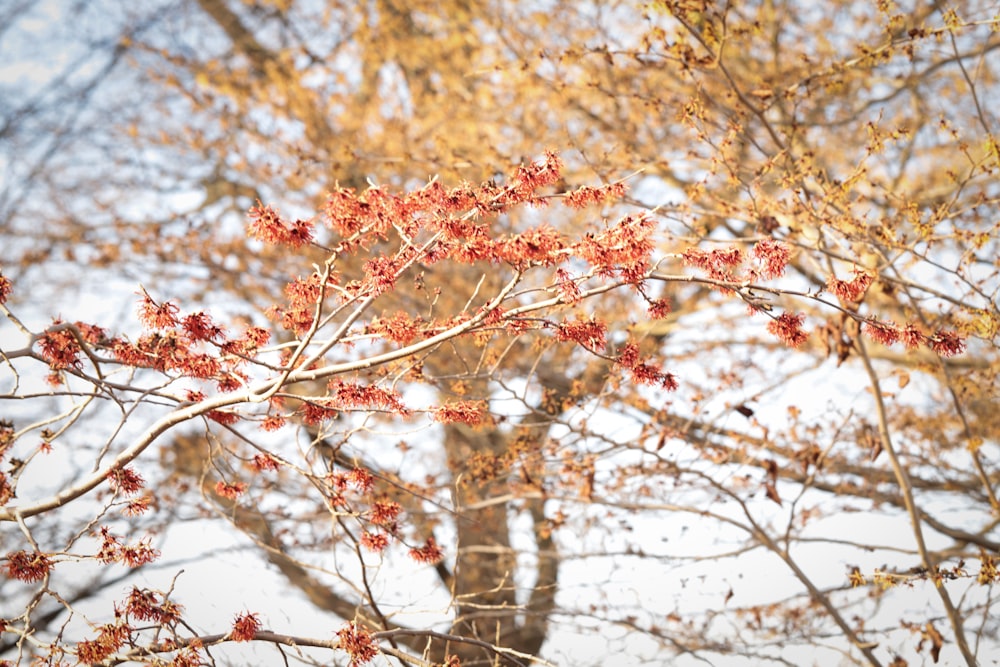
{"type": "Point", "coordinates": [590, 334]}
{"type": "Point", "coordinates": [230, 490]}
{"type": "Point", "coordinates": [128, 483]}
{"type": "Point", "coordinates": [381, 519]}
{"type": "Point", "coordinates": [645, 372]}
{"type": "Point", "coordinates": [61, 345]}
{"type": "Point", "coordinates": [787, 328]}
{"type": "Point", "coordinates": [6, 287]}
{"type": "Point", "coordinates": [944, 343]}
{"type": "Point", "coordinates": [850, 290]}
{"type": "Point", "coordinates": [245, 627]}
{"type": "Point", "coordinates": [471, 413]}
{"type": "Point", "coordinates": [358, 643]}
{"type": "Point", "coordinates": [28, 566]}
{"type": "Point", "coordinates": [144, 605]}
{"type": "Point", "coordinates": [110, 638]}
{"type": "Point", "coordinates": [727, 266]}
{"type": "Point", "coordinates": [113, 550]}
{"type": "Point", "coordinates": [349, 395]}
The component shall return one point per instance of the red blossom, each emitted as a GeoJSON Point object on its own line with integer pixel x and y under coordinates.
{"type": "Point", "coordinates": [245, 627]}
{"type": "Point", "coordinates": [774, 256]}
{"type": "Point", "coordinates": [126, 480]}
{"type": "Point", "coordinates": [110, 546]}
{"type": "Point", "coordinates": [464, 240]}
{"type": "Point", "coordinates": [399, 328]}
{"type": "Point", "coordinates": [358, 643]}
{"type": "Point", "coordinates": [300, 233]}
{"type": "Point", "coordinates": [624, 248]}
{"type": "Point", "coordinates": [263, 462]}
{"type": "Point", "coordinates": [89, 652]}
{"type": "Point", "coordinates": [886, 333]}
{"type": "Point", "coordinates": [493, 317]}
{"type": "Point", "coordinates": [272, 422]}
{"type": "Point", "coordinates": [252, 339]}
{"type": "Point", "coordinates": [302, 294]}
{"type": "Point", "coordinates": [128, 354]}
{"type": "Point", "coordinates": [381, 274]}
{"type": "Point", "coordinates": [669, 382]}
{"type": "Point", "coordinates": [947, 343]}
{"type": "Point", "coordinates": [92, 333]}
{"type": "Point", "coordinates": [338, 480]}
{"type": "Point", "coordinates": [429, 553]}
{"type": "Point", "coordinates": [230, 381]}
{"type": "Point", "coordinates": [6, 287]}
{"type": "Point", "coordinates": [138, 554]}
{"type": "Point", "coordinates": [788, 329]}
{"type": "Point", "coordinates": [318, 411]}
{"type": "Point", "coordinates": [361, 479]}
{"type": "Point", "coordinates": [231, 491]}
{"type": "Point", "coordinates": [569, 290]}
{"type": "Point", "coordinates": [60, 348]}
{"type": "Point", "coordinates": [540, 245]}
{"type": "Point", "coordinates": [591, 334]}
{"type": "Point", "coordinates": [257, 336]}
{"type": "Point", "coordinates": [266, 225]}
{"type": "Point", "coordinates": [374, 542]}
{"type": "Point", "coordinates": [109, 640]}
{"type": "Point", "coordinates": [647, 373]}
{"type": "Point", "coordinates": [850, 290]}
{"type": "Point", "coordinates": [384, 512]}
{"type": "Point", "coordinates": [629, 355]}
{"type": "Point", "coordinates": [352, 395]}
{"type": "Point", "coordinates": [199, 366]}
{"type": "Point", "coordinates": [155, 315]}
{"type": "Point", "coordinates": [343, 212]}
{"type": "Point", "coordinates": [199, 326]}
{"type": "Point", "coordinates": [6, 434]}
{"type": "Point", "coordinates": [144, 606]}
{"type": "Point", "coordinates": [138, 506]}
{"type": "Point", "coordinates": [516, 326]}
{"type": "Point", "coordinates": [187, 658]}
{"type": "Point", "coordinates": [521, 187]}
{"type": "Point", "coordinates": [644, 372]}
{"type": "Point", "coordinates": [464, 412]}
{"type": "Point", "coordinates": [720, 264]}
{"type": "Point", "coordinates": [912, 337]}
{"type": "Point", "coordinates": [28, 566]}
{"type": "Point", "coordinates": [586, 195]}
{"type": "Point", "coordinates": [161, 351]}
{"type": "Point", "coordinates": [658, 308]}
{"type": "Point", "coordinates": [223, 417]}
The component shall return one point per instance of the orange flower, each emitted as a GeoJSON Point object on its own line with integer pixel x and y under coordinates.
{"type": "Point", "coordinates": [788, 329]}
{"type": "Point", "coordinates": [429, 553]}
{"type": "Point", "coordinates": [126, 480]}
{"type": "Point", "coordinates": [358, 643]}
{"type": "Point", "coordinates": [245, 627]}
{"type": "Point", "coordinates": [26, 566]}
{"type": "Point", "coordinates": [231, 491]}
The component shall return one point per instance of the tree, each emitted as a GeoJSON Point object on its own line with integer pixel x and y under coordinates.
{"type": "Point", "coordinates": [511, 379]}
